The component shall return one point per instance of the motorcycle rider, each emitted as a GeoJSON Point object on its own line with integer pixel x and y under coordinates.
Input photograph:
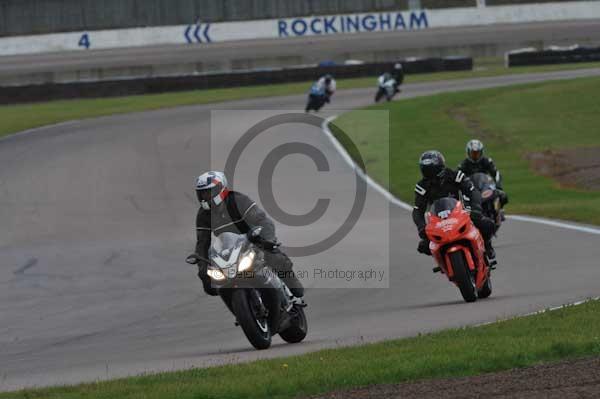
{"type": "Point", "coordinates": [222, 210]}
{"type": "Point", "coordinates": [398, 75]}
{"type": "Point", "coordinates": [439, 182]}
{"type": "Point", "coordinates": [387, 85]}
{"type": "Point", "coordinates": [328, 85]}
{"type": "Point", "coordinates": [476, 162]}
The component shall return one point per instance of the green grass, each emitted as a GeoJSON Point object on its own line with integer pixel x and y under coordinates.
{"type": "Point", "coordinates": [511, 121]}
{"type": "Point", "coordinates": [22, 117]}
{"type": "Point", "coordinates": [508, 344]}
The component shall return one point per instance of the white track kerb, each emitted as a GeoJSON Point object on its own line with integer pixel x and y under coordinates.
{"type": "Point", "coordinates": [398, 202]}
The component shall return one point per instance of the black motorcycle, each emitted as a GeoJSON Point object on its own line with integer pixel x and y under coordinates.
{"type": "Point", "coordinates": [317, 97]}
{"type": "Point", "coordinates": [260, 301]}
{"type": "Point", "coordinates": [490, 197]}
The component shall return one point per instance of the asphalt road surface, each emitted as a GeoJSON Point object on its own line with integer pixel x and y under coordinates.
{"type": "Point", "coordinates": [98, 216]}
{"type": "Point", "coordinates": [482, 40]}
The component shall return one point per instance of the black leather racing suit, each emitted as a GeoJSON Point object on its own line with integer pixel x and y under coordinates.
{"type": "Point", "coordinates": [398, 75]}
{"type": "Point", "coordinates": [238, 214]}
{"type": "Point", "coordinates": [452, 184]}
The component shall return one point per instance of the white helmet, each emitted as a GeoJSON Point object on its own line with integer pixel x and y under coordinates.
{"type": "Point", "coordinates": [474, 150]}
{"type": "Point", "coordinates": [211, 187]}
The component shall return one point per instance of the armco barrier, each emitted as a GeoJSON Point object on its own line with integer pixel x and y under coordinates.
{"type": "Point", "coordinates": [562, 56]}
{"type": "Point", "coordinates": [112, 88]}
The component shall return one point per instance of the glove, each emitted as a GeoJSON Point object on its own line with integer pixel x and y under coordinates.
{"type": "Point", "coordinates": [206, 283]}
{"type": "Point", "coordinates": [254, 234]}
{"type": "Point", "coordinates": [423, 247]}
{"type": "Point", "coordinates": [271, 246]}
{"type": "Point", "coordinates": [202, 268]}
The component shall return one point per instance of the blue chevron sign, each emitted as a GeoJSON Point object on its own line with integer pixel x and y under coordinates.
{"type": "Point", "coordinates": [197, 33]}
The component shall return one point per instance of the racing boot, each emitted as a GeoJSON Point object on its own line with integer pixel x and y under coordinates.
{"type": "Point", "coordinates": [293, 284]}
{"type": "Point", "coordinates": [491, 254]}
{"type": "Point", "coordinates": [502, 215]}
{"type": "Point", "coordinates": [283, 266]}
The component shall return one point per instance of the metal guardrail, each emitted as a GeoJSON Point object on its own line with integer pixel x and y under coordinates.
{"type": "Point", "coordinates": [114, 88]}
{"type": "Point", "coordinates": [552, 56]}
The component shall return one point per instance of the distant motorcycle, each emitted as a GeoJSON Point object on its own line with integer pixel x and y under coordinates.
{"type": "Point", "coordinates": [260, 301]}
{"type": "Point", "coordinates": [490, 197]}
{"type": "Point", "coordinates": [317, 97]}
{"type": "Point", "coordinates": [386, 87]}
{"type": "Point", "coordinates": [458, 249]}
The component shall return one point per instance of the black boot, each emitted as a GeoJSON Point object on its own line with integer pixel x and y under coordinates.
{"type": "Point", "coordinates": [490, 253]}
{"type": "Point", "coordinates": [293, 284]}
{"type": "Point", "coordinates": [282, 265]}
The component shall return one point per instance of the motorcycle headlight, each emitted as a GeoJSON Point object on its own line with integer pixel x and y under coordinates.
{"type": "Point", "coordinates": [216, 274]}
{"type": "Point", "coordinates": [487, 194]}
{"type": "Point", "coordinates": [246, 262]}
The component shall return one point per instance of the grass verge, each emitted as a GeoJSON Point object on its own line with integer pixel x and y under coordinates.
{"type": "Point", "coordinates": [507, 344]}
{"type": "Point", "coordinates": [17, 118]}
{"type": "Point", "coordinates": [511, 121]}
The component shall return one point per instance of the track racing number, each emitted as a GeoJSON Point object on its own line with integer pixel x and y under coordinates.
{"type": "Point", "coordinates": [84, 41]}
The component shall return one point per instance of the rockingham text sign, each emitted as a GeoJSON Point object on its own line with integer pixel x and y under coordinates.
{"type": "Point", "coordinates": [327, 25]}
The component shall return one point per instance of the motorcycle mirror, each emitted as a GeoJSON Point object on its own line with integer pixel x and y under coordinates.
{"type": "Point", "coordinates": [192, 259]}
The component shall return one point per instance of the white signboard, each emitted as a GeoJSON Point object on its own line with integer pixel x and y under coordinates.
{"type": "Point", "coordinates": [206, 33]}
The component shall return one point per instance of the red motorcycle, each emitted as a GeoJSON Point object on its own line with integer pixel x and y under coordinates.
{"type": "Point", "coordinates": [458, 249]}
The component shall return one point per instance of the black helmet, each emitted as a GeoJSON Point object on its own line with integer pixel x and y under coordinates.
{"type": "Point", "coordinates": [432, 164]}
{"type": "Point", "coordinates": [474, 150]}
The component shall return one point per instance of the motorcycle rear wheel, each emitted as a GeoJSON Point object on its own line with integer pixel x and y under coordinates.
{"type": "Point", "coordinates": [256, 330]}
{"type": "Point", "coordinates": [298, 330]}
{"type": "Point", "coordinates": [463, 277]}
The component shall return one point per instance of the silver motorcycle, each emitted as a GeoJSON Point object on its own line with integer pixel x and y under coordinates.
{"type": "Point", "coordinates": [260, 301]}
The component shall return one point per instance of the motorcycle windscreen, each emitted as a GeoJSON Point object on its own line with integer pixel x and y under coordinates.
{"type": "Point", "coordinates": [443, 207]}
{"type": "Point", "coordinates": [227, 247]}
{"type": "Point", "coordinates": [483, 181]}
{"type": "Point", "coordinates": [315, 90]}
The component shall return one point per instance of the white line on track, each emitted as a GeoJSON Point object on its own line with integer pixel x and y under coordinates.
{"type": "Point", "coordinates": [11, 136]}
{"type": "Point", "coordinates": [401, 204]}
{"type": "Point", "coordinates": [552, 309]}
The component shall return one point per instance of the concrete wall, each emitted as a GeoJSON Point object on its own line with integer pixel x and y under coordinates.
{"type": "Point", "coordinates": [285, 28]}
{"type": "Point", "coordinates": [25, 17]}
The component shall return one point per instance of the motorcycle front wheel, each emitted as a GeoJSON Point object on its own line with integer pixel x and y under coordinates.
{"type": "Point", "coordinates": [246, 308]}
{"type": "Point", "coordinates": [463, 277]}
{"type": "Point", "coordinates": [299, 328]}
